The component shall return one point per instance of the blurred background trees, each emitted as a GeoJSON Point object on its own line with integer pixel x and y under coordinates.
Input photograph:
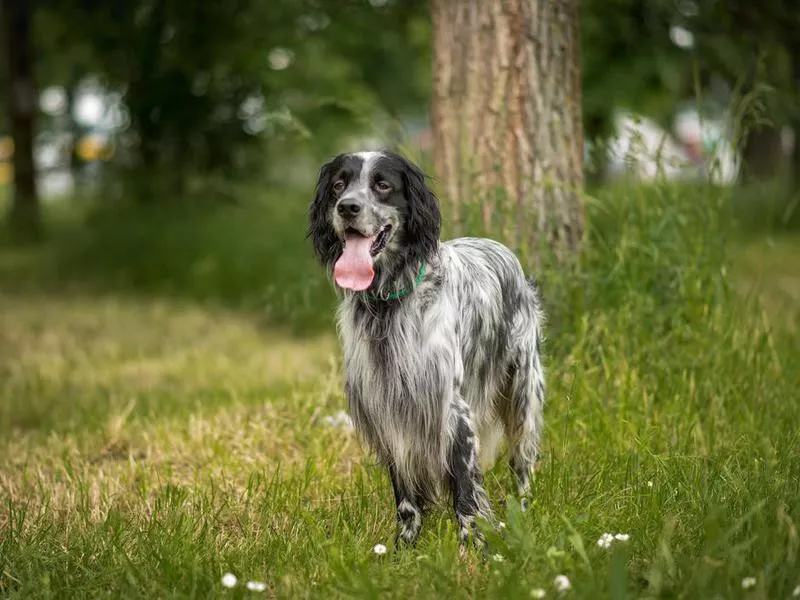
{"type": "Point", "coordinates": [165, 100]}
{"type": "Point", "coordinates": [21, 102]}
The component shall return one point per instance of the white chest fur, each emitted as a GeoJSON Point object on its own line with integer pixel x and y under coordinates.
{"type": "Point", "coordinates": [401, 374]}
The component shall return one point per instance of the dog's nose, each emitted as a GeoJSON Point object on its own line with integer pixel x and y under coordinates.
{"type": "Point", "coordinates": [348, 208]}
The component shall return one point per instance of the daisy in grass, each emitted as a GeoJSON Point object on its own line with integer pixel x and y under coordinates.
{"type": "Point", "coordinates": [379, 549]}
{"type": "Point", "coordinates": [605, 540]}
{"type": "Point", "coordinates": [562, 583]}
{"type": "Point", "coordinates": [256, 586]}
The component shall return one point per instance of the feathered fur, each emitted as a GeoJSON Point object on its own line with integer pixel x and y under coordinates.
{"type": "Point", "coordinates": [435, 378]}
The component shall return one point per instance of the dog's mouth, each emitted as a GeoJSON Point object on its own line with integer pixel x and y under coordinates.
{"type": "Point", "coordinates": [380, 240]}
{"type": "Point", "coordinates": [354, 269]}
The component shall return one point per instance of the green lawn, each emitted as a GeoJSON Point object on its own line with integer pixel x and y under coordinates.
{"type": "Point", "coordinates": [164, 383]}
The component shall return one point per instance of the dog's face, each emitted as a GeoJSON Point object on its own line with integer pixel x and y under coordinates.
{"type": "Point", "coordinates": [372, 209]}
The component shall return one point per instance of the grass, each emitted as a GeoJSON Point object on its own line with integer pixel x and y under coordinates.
{"type": "Point", "coordinates": [159, 430]}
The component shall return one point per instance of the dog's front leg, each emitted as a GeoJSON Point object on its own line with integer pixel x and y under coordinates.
{"type": "Point", "coordinates": [409, 509]}
{"type": "Point", "coordinates": [465, 477]}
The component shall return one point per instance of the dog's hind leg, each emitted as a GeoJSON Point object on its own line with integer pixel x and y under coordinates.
{"type": "Point", "coordinates": [523, 416]}
{"type": "Point", "coordinates": [464, 473]}
{"type": "Point", "coordinates": [409, 509]}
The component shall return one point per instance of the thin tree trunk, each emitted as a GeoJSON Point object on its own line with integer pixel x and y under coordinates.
{"type": "Point", "coordinates": [145, 63]}
{"type": "Point", "coordinates": [794, 55]}
{"type": "Point", "coordinates": [507, 122]}
{"type": "Point", "coordinates": [795, 165]}
{"type": "Point", "coordinates": [762, 155]}
{"type": "Point", "coordinates": [25, 216]}
{"type": "Point", "coordinates": [76, 163]}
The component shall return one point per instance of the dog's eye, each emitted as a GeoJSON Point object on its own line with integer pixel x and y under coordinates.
{"type": "Point", "coordinates": [383, 187]}
{"type": "Point", "coordinates": [338, 186]}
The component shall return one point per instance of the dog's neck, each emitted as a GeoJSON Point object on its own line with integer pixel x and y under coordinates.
{"type": "Point", "coordinates": [397, 277]}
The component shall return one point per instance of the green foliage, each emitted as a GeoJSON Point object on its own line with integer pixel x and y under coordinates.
{"type": "Point", "coordinates": [251, 255]}
{"type": "Point", "coordinates": [210, 88]}
{"type": "Point", "coordinates": [155, 445]}
{"type": "Point", "coordinates": [731, 35]}
{"type": "Point", "coordinates": [193, 76]}
{"type": "Point", "coordinates": [629, 61]}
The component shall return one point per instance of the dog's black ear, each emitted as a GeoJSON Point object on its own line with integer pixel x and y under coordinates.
{"type": "Point", "coordinates": [424, 221]}
{"type": "Point", "coordinates": [327, 246]}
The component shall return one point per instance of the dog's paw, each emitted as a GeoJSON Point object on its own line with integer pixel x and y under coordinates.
{"type": "Point", "coordinates": [406, 536]}
{"type": "Point", "coordinates": [470, 535]}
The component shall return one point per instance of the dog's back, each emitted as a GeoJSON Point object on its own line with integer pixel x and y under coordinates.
{"type": "Point", "coordinates": [500, 322]}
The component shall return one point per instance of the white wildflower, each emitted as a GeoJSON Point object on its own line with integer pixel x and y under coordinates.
{"type": "Point", "coordinates": [748, 582]}
{"type": "Point", "coordinates": [229, 580]}
{"type": "Point", "coordinates": [340, 420]}
{"type": "Point", "coordinates": [649, 484]}
{"type": "Point", "coordinates": [605, 540]}
{"type": "Point", "coordinates": [379, 549]}
{"type": "Point", "coordinates": [796, 592]}
{"type": "Point", "coordinates": [498, 558]}
{"type": "Point", "coordinates": [562, 583]}
{"type": "Point", "coordinates": [256, 586]}
{"type": "Point", "coordinates": [501, 525]}
{"type": "Point", "coordinates": [538, 593]}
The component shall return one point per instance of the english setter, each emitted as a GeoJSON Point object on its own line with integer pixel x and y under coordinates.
{"type": "Point", "coordinates": [441, 339]}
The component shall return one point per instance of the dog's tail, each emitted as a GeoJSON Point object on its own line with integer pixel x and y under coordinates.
{"type": "Point", "coordinates": [535, 287]}
{"type": "Point", "coordinates": [536, 295]}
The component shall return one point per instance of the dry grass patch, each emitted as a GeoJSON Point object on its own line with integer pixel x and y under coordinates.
{"type": "Point", "coordinates": [247, 403]}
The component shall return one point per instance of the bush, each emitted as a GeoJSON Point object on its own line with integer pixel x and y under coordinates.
{"type": "Point", "coordinates": [250, 255]}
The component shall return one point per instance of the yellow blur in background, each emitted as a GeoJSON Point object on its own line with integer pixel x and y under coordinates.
{"type": "Point", "coordinates": [94, 147]}
{"type": "Point", "coordinates": [89, 147]}
{"type": "Point", "coordinates": [6, 153]}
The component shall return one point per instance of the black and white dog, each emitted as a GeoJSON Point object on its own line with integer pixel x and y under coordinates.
{"type": "Point", "coordinates": [441, 339]}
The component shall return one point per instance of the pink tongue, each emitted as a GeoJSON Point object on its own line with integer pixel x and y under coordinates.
{"type": "Point", "coordinates": [354, 270]}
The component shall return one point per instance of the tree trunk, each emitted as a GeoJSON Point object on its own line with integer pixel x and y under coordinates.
{"type": "Point", "coordinates": [762, 154]}
{"type": "Point", "coordinates": [795, 164]}
{"type": "Point", "coordinates": [794, 55]}
{"type": "Point", "coordinates": [508, 134]}
{"type": "Point", "coordinates": [76, 163]}
{"type": "Point", "coordinates": [25, 215]}
{"type": "Point", "coordinates": [144, 107]}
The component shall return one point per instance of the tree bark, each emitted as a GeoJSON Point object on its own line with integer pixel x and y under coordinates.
{"type": "Point", "coordinates": [762, 155]}
{"type": "Point", "coordinates": [144, 107]}
{"type": "Point", "coordinates": [508, 134]}
{"type": "Point", "coordinates": [794, 55]}
{"type": "Point", "coordinates": [24, 216]}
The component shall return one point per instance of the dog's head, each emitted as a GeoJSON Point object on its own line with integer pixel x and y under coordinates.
{"type": "Point", "coordinates": [372, 212]}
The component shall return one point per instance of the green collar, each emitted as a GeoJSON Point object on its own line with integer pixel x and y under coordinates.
{"type": "Point", "coordinates": [401, 293]}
